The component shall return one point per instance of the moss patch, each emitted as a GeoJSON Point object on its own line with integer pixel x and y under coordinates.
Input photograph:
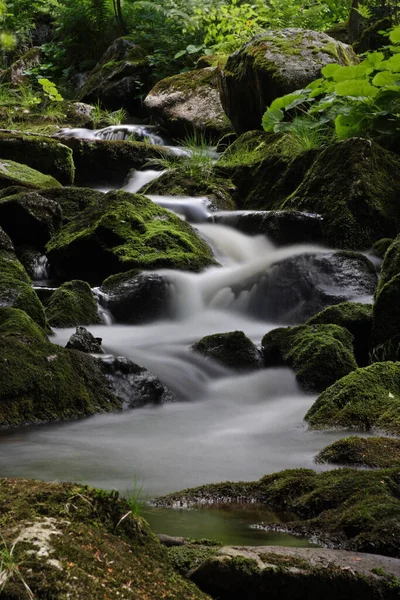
{"type": "Point", "coordinates": [233, 350]}
{"type": "Point", "coordinates": [374, 452]}
{"type": "Point", "coordinates": [307, 349]}
{"type": "Point", "coordinates": [72, 304]}
{"type": "Point", "coordinates": [73, 200]}
{"type": "Point", "coordinates": [14, 173]}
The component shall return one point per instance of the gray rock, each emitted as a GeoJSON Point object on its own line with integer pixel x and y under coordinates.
{"type": "Point", "coordinates": [84, 341]}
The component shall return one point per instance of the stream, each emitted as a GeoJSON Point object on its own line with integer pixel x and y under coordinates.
{"type": "Point", "coordinates": [225, 426]}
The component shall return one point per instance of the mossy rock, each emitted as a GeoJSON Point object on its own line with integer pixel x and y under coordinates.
{"type": "Point", "coordinates": [366, 399]}
{"type": "Point", "coordinates": [73, 200]}
{"type": "Point", "coordinates": [109, 161]}
{"type": "Point", "coordinates": [14, 173]}
{"type": "Point", "coordinates": [344, 508]}
{"type": "Point", "coordinates": [5, 242]}
{"type": "Point", "coordinates": [72, 304]}
{"type": "Point", "coordinates": [356, 318]}
{"type": "Point", "coordinates": [189, 103]}
{"type": "Point", "coordinates": [11, 267]}
{"type": "Point", "coordinates": [211, 60]}
{"type": "Point", "coordinates": [120, 78]}
{"type": "Point", "coordinates": [354, 185]}
{"type": "Point", "coordinates": [189, 556]}
{"type": "Point", "coordinates": [372, 452]}
{"type": "Point", "coordinates": [15, 293]}
{"type": "Point", "coordinates": [122, 232]}
{"type": "Point", "coordinates": [29, 218]}
{"type": "Point", "coordinates": [233, 350]}
{"type": "Point", "coordinates": [308, 349]}
{"type": "Point", "coordinates": [179, 182]}
{"type": "Point", "coordinates": [41, 153]}
{"type": "Point", "coordinates": [380, 247]}
{"type": "Point", "coordinates": [272, 64]}
{"type": "Point", "coordinates": [43, 382]}
{"type": "Point", "coordinates": [92, 546]}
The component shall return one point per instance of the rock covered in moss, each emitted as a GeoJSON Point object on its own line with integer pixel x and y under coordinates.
{"type": "Point", "coordinates": [72, 304]}
{"type": "Point", "coordinates": [14, 173]}
{"type": "Point", "coordinates": [189, 103]}
{"type": "Point", "coordinates": [122, 232]}
{"type": "Point", "coordinates": [275, 572]}
{"type": "Point", "coordinates": [109, 161]}
{"type": "Point", "coordinates": [298, 287]}
{"type": "Point", "coordinates": [232, 349]}
{"type": "Point", "coordinates": [272, 64]}
{"type": "Point", "coordinates": [134, 385]}
{"type": "Point", "coordinates": [381, 246]}
{"type": "Point", "coordinates": [366, 399]}
{"type": "Point", "coordinates": [356, 318]}
{"type": "Point", "coordinates": [30, 219]}
{"type": "Point", "coordinates": [15, 293]}
{"type": "Point", "coordinates": [373, 452]}
{"type": "Point", "coordinates": [72, 200]}
{"type": "Point", "coordinates": [181, 182]}
{"type": "Point", "coordinates": [354, 185]}
{"type": "Point", "coordinates": [5, 242]}
{"type": "Point", "coordinates": [43, 382]}
{"type": "Point", "coordinates": [41, 153]}
{"type": "Point", "coordinates": [134, 297]}
{"type": "Point", "coordinates": [84, 341]}
{"type": "Point", "coordinates": [344, 508]}
{"type": "Point", "coordinates": [308, 349]}
{"type": "Point", "coordinates": [18, 71]}
{"type": "Point", "coordinates": [79, 114]}
{"type": "Point", "coordinates": [91, 546]}
{"type": "Point", "coordinates": [120, 77]}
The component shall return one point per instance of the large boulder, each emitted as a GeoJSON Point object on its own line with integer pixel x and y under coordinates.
{"type": "Point", "coordinates": [41, 153]}
{"type": "Point", "coordinates": [272, 64]}
{"type": "Point", "coordinates": [120, 77]}
{"type": "Point", "coordinates": [19, 70]}
{"type": "Point", "coordinates": [356, 318]}
{"type": "Point", "coordinates": [123, 232]}
{"type": "Point", "coordinates": [69, 540]}
{"type": "Point", "coordinates": [134, 385]}
{"type": "Point", "coordinates": [298, 287]}
{"type": "Point", "coordinates": [14, 173]}
{"type": "Point", "coordinates": [189, 103]}
{"type": "Point", "coordinates": [29, 218]}
{"type": "Point", "coordinates": [368, 398]}
{"type": "Point", "coordinates": [15, 293]}
{"type": "Point", "coordinates": [109, 161]}
{"type": "Point", "coordinates": [136, 298]}
{"type": "Point", "coordinates": [72, 200]}
{"type": "Point", "coordinates": [307, 349]}
{"type": "Point", "coordinates": [233, 350]}
{"type": "Point", "coordinates": [72, 304]}
{"type": "Point", "coordinates": [43, 382]}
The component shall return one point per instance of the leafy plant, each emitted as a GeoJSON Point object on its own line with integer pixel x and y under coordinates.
{"type": "Point", "coordinates": [356, 100]}
{"type": "Point", "coordinates": [50, 90]}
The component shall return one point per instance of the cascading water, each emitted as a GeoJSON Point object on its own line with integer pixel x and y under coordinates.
{"type": "Point", "coordinates": [40, 268]}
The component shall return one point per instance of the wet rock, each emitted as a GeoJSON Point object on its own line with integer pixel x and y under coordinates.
{"type": "Point", "coordinates": [189, 103]}
{"type": "Point", "coordinates": [298, 287]}
{"type": "Point", "coordinates": [272, 64]}
{"type": "Point", "coordinates": [233, 350]}
{"type": "Point", "coordinates": [84, 341]}
{"type": "Point", "coordinates": [366, 399]}
{"type": "Point", "coordinates": [119, 79]}
{"type": "Point", "coordinates": [134, 385]}
{"type": "Point", "coordinates": [124, 232]}
{"type": "Point", "coordinates": [381, 246]}
{"type": "Point", "coordinates": [30, 219]}
{"type": "Point", "coordinates": [5, 241]}
{"type": "Point", "coordinates": [72, 200]}
{"type": "Point", "coordinates": [79, 114]}
{"type": "Point", "coordinates": [136, 298]}
{"type": "Point", "coordinates": [308, 349]}
{"type": "Point", "coordinates": [15, 293]}
{"type": "Point", "coordinates": [41, 153]}
{"type": "Point", "coordinates": [281, 227]}
{"type": "Point", "coordinates": [276, 572]}
{"type": "Point", "coordinates": [357, 319]}
{"type": "Point", "coordinates": [14, 173]}
{"type": "Point", "coordinates": [372, 452]}
{"type": "Point", "coordinates": [42, 382]}
{"type": "Point", "coordinates": [19, 70]}
{"type": "Point", "coordinates": [72, 304]}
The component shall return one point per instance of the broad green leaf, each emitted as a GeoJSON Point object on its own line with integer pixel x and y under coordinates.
{"type": "Point", "coordinates": [330, 70]}
{"type": "Point", "coordinates": [385, 78]}
{"type": "Point", "coordinates": [288, 100]}
{"type": "Point", "coordinates": [392, 64]}
{"type": "Point", "coordinates": [394, 35]}
{"type": "Point", "coordinates": [346, 126]}
{"type": "Point", "coordinates": [352, 72]}
{"type": "Point", "coordinates": [375, 59]}
{"type": "Point", "coordinates": [271, 118]}
{"type": "Point", "coordinates": [357, 88]}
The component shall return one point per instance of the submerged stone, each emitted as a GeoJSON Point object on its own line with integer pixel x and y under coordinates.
{"type": "Point", "coordinates": [308, 349]}
{"type": "Point", "coordinates": [72, 304]}
{"type": "Point", "coordinates": [233, 350]}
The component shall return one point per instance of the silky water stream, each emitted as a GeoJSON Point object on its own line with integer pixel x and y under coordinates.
{"type": "Point", "coordinates": [226, 426]}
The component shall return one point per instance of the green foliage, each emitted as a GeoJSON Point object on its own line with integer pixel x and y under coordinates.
{"type": "Point", "coordinates": [357, 100]}
{"type": "Point", "coordinates": [198, 161]}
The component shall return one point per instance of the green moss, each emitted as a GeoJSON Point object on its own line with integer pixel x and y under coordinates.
{"type": "Point", "coordinates": [307, 349]}
{"type": "Point", "coordinates": [126, 231]}
{"type": "Point", "coordinates": [368, 398]}
{"type": "Point", "coordinates": [98, 549]}
{"type": "Point", "coordinates": [186, 82]}
{"type": "Point", "coordinates": [381, 246]}
{"type": "Point", "coordinates": [233, 350]}
{"type": "Point", "coordinates": [285, 562]}
{"type": "Point", "coordinates": [11, 268]}
{"type": "Point", "coordinates": [356, 318]}
{"type": "Point", "coordinates": [353, 510]}
{"type": "Point", "coordinates": [19, 294]}
{"type": "Point", "coordinates": [72, 304]}
{"type": "Point", "coordinates": [13, 173]}
{"type": "Point", "coordinates": [374, 452]}
{"type": "Point", "coordinates": [188, 557]}
{"type": "Point", "coordinates": [41, 153]}
{"type": "Point", "coordinates": [73, 200]}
